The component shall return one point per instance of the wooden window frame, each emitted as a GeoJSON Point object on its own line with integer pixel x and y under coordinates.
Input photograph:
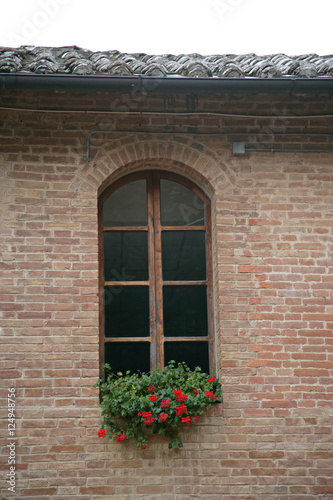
{"type": "Point", "coordinates": [155, 281]}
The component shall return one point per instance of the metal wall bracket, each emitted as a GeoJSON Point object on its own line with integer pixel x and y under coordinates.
{"type": "Point", "coordinates": [238, 148]}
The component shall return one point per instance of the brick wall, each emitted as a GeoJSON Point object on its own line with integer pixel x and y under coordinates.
{"type": "Point", "coordinates": [272, 214]}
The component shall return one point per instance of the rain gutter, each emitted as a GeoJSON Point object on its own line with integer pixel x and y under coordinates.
{"type": "Point", "coordinates": [110, 83]}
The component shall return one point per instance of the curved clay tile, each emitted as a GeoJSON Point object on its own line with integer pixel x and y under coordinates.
{"type": "Point", "coordinates": [101, 62]}
{"type": "Point", "coordinates": [69, 55]}
{"type": "Point", "coordinates": [149, 59]}
{"type": "Point", "coordinates": [172, 67]}
{"type": "Point", "coordinates": [245, 58]}
{"type": "Point", "coordinates": [158, 60]}
{"type": "Point", "coordinates": [43, 66]}
{"type": "Point", "coordinates": [306, 70]}
{"type": "Point", "coordinates": [196, 69]}
{"type": "Point", "coordinates": [310, 58]}
{"type": "Point", "coordinates": [152, 65]}
{"type": "Point", "coordinates": [247, 63]}
{"type": "Point", "coordinates": [120, 68]}
{"type": "Point", "coordinates": [43, 61]}
{"type": "Point", "coordinates": [325, 68]}
{"type": "Point", "coordinates": [77, 64]}
{"type": "Point", "coordinates": [129, 59]}
{"type": "Point", "coordinates": [155, 70]}
{"type": "Point", "coordinates": [138, 68]}
{"type": "Point", "coordinates": [285, 64]}
{"type": "Point", "coordinates": [269, 70]}
{"type": "Point", "coordinates": [132, 64]}
{"type": "Point", "coordinates": [82, 68]}
{"type": "Point", "coordinates": [265, 69]}
{"type": "Point", "coordinates": [10, 62]}
{"type": "Point", "coordinates": [230, 70]}
{"type": "Point", "coordinates": [182, 59]}
{"type": "Point", "coordinates": [219, 64]}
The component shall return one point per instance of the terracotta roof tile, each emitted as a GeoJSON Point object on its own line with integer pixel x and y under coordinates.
{"type": "Point", "coordinates": [74, 60]}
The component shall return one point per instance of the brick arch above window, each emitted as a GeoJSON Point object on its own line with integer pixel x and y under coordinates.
{"type": "Point", "coordinates": [116, 158]}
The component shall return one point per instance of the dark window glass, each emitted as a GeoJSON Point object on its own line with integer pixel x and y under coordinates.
{"type": "Point", "coordinates": [123, 356]}
{"type": "Point", "coordinates": [127, 311]}
{"type": "Point", "coordinates": [193, 353]}
{"type": "Point", "coordinates": [184, 255]}
{"type": "Point", "coordinates": [127, 205]}
{"type": "Point", "coordinates": [125, 256]}
{"type": "Point", "coordinates": [180, 206]}
{"type": "Point", "coordinates": [185, 311]}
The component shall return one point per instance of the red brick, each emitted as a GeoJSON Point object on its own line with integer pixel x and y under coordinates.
{"type": "Point", "coordinates": [38, 492]}
{"type": "Point", "coordinates": [247, 269]}
{"type": "Point", "coordinates": [97, 490]}
{"type": "Point", "coordinates": [257, 362]}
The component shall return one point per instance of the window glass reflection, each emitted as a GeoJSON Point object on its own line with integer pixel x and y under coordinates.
{"type": "Point", "coordinates": [127, 205]}
{"type": "Point", "coordinates": [180, 206]}
{"type": "Point", "coordinates": [185, 311]}
{"type": "Point", "coordinates": [125, 256]}
{"type": "Point", "coordinates": [123, 356]}
{"type": "Point", "coordinates": [193, 353]}
{"type": "Point", "coordinates": [127, 311]}
{"type": "Point", "coordinates": [184, 255]}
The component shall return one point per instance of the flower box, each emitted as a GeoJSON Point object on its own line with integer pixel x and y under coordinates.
{"type": "Point", "coordinates": [161, 400]}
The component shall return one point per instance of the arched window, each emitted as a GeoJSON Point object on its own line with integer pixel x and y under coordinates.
{"type": "Point", "coordinates": [155, 273]}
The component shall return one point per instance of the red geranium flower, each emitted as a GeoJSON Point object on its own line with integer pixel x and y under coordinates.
{"type": "Point", "coordinates": [148, 418]}
{"type": "Point", "coordinates": [210, 395]}
{"type": "Point", "coordinates": [196, 391]}
{"type": "Point", "coordinates": [181, 409]}
{"type": "Point", "coordinates": [143, 446]}
{"type": "Point", "coordinates": [195, 418]}
{"type": "Point", "coordinates": [165, 403]}
{"type": "Point", "coordinates": [101, 433]}
{"type": "Point", "coordinates": [179, 396]}
{"type": "Point", "coordinates": [177, 393]}
{"type": "Point", "coordinates": [152, 397]}
{"type": "Point", "coordinates": [162, 417]}
{"type": "Point", "coordinates": [211, 379]}
{"type": "Point", "coordinates": [151, 388]}
{"type": "Point", "coordinates": [121, 437]}
{"type": "Point", "coordinates": [186, 420]}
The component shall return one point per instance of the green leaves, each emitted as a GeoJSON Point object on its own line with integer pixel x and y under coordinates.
{"type": "Point", "coordinates": [132, 404]}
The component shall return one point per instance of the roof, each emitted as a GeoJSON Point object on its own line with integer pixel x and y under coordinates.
{"type": "Point", "coordinates": [77, 61]}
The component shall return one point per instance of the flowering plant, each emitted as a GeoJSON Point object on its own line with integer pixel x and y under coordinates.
{"type": "Point", "coordinates": [159, 399]}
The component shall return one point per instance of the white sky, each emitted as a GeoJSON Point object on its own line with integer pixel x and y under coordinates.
{"type": "Point", "coordinates": [173, 26]}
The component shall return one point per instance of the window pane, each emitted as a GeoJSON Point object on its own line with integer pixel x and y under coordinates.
{"type": "Point", "coordinates": [132, 356]}
{"type": "Point", "coordinates": [185, 311]}
{"type": "Point", "coordinates": [193, 353]}
{"type": "Point", "coordinates": [184, 255]}
{"type": "Point", "coordinates": [180, 206]}
{"type": "Point", "coordinates": [127, 311]}
{"type": "Point", "coordinates": [127, 206]}
{"type": "Point", "coordinates": [125, 256]}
